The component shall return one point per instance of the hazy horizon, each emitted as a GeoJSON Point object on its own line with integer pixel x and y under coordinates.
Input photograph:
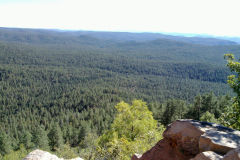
{"type": "Point", "coordinates": [213, 18]}
{"type": "Point", "coordinates": [166, 33]}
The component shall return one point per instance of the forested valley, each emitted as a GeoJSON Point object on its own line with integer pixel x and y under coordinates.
{"type": "Point", "coordinates": [58, 88]}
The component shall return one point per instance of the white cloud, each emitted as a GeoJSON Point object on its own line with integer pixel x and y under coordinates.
{"type": "Point", "coordinates": [219, 17]}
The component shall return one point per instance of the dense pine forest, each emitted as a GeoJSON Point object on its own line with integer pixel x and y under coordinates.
{"type": "Point", "coordinates": [58, 88]}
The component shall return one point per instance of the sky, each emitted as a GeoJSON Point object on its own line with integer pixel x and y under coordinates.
{"type": "Point", "coordinates": [213, 17]}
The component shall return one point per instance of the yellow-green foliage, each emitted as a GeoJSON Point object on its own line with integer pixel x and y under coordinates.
{"type": "Point", "coordinates": [231, 117]}
{"type": "Point", "coordinates": [88, 147]}
{"type": "Point", "coordinates": [208, 117]}
{"type": "Point", "coordinates": [133, 131]}
{"type": "Point", "coordinates": [66, 152]}
{"type": "Point", "coordinates": [15, 155]}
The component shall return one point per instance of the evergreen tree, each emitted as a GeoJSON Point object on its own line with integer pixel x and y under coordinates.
{"type": "Point", "coordinates": [55, 137]}
{"type": "Point", "coordinates": [83, 132]}
{"type": "Point", "coordinates": [209, 102]}
{"type": "Point", "coordinates": [16, 155]}
{"type": "Point", "coordinates": [26, 139]}
{"type": "Point", "coordinates": [231, 117]}
{"type": "Point", "coordinates": [197, 107]}
{"type": "Point", "coordinates": [88, 147]}
{"type": "Point", "coordinates": [5, 146]}
{"type": "Point", "coordinates": [40, 138]}
{"type": "Point", "coordinates": [208, 117]}
{"type": "Point", "coordinates": [175, 109]}
{"type": "Point", "coordinates": [66, 152]}
{"type": "Point", "coordinates": [74, 140]}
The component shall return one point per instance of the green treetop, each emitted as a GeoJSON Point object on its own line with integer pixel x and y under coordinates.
{"type": "Point", "coordinates": [55, 137]}
{"type": "Point", "coordinates": [232, 115]}
{"type": "Point", "coordinates": [133, 131]}
{"type": "Point", "coordinates": [5, 146]}
{"type": "Point", "coordinates": [40, 138]}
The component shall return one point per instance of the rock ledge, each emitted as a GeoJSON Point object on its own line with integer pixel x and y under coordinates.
{"type": "Point", "coordinates": [189, 139]}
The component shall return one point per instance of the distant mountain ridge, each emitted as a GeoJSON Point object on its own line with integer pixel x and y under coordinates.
{"type": "Point", "coordinates": [229, 38]}
{"type": "Point", "coordinates": [49, 36]}
{"type": "Point", "coordinates": [235, 39]}
{"type": "Point", "coordinates": [123, 36]}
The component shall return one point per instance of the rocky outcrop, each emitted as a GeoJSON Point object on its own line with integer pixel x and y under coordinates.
{"type": "Point", "coordinates": [233, 155]}
{"type": "Point", "coordinates": [189, 139]}
{"type": "Point", "coordinates": [208, 155]}
{"type": "Point", "coordinates": [42, 155]}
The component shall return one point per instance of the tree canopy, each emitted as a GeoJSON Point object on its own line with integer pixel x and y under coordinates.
{"type": "Point", "coordinates": [133, 131]}
{"type": "Point", "coordinates": [232, 113]}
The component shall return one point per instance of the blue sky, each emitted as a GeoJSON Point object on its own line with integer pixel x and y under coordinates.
{"type": "Point", "coordinates": [214, 17]}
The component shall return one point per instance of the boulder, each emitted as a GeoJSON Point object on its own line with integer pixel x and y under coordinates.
{"type": "Point", "coordinates": [208, 155]}
{"type": "Point", "coordinates": [43, 155]}
{"type": "Point", "coordinates": [233, 154]}
{"type": "Point", "coordinates": [194, 136]}
{"type": "Point", "coordinates": [163, 150]}
{"type": "Point", "coordinates": [184, 136]}
{"type": "Point", "coordinates": [184, 139]}
{"type": "Point", "coordinates": [40, 155]}
{"type": "Point", "coordinates": [218, 139]}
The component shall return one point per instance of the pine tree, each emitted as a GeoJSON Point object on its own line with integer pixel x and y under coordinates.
{"type": "Point", "coordinates": [5, 146]}
{"type": "Point", "coordinates": [231, 117]}
{"type": "Point", "coordinates": [208, 117]}
{"type": "Point", "coordinates": [175, 109]}
{"type": "Point", "coordinates": [40, 138]}
{"type": "Point", "coordinates": [197, 107]}
{"type": "Point", "coordinates": [55, 137]}
{"type": "Point", "coordinates": [84, 130]}
{"type": "Point", "coordinates": [25, 139]}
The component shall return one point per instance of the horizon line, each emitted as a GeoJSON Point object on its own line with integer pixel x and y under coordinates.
{"type": "Point", "coordinates": [204, 35]}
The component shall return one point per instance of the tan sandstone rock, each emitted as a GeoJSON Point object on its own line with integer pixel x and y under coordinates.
{"type": "Point", "coordinates": [233, 154]}
{"type": "Point", "coordinates": [184, 135]}
{"type": "Point", "coordinates": [208, 155]}
{"type": "Point", "coordinates": [184, 139]}
{"type": "Point", "coordinates": [163, 150]}
{"type": "Point", "coordinates": [194, 136]}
